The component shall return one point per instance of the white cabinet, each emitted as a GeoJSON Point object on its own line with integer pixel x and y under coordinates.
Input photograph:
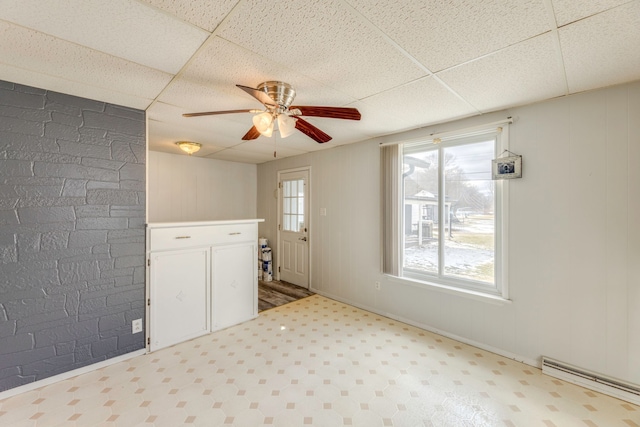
{"type": "Point", "coordinates": [234, 271]}
{"type": "Point", "coordinates": [201, 277]}
{"type": "Point", "coordinates": [180, 293]}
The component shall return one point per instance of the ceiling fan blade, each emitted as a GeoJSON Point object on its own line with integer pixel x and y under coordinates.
{"type": "Point", "coordinates": [331, 112]}
{"type": "Point", "coordinates": [259, 95]}
{"type": "Point", "coordinates": [252, 134]}
{"type": "Point", "coordinates": [213, 113]}
{"type": "Point", "coordinates": [311, 131]}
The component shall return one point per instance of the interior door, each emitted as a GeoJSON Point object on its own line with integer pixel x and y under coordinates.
{"type": "Point", "coordinates": [293, 248]}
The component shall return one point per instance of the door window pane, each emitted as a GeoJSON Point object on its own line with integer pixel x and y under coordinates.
{"type": "Point", "coordinates": [293, 205]}
{"type": "Point", "coordinates": [287, 222]}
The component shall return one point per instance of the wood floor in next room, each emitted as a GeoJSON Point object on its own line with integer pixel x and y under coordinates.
{"type": "Point", "coordinates": [276, 293]}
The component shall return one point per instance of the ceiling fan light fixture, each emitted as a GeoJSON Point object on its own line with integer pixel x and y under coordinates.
{"type": "Point", "coordinates": [286, 125]}
{"type": "Point", "coordinates": [189, 147]}
{"type": "Point", "coordinates": [264, 123]}
{"type": "Point", "coordinates": [277, 98]}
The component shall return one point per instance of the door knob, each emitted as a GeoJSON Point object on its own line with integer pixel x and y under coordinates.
{"type": "Point", "coordinates": [303, 239]}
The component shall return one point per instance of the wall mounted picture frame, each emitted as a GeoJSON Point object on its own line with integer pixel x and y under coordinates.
{"type": "Point", "coordinates": [506, 167]}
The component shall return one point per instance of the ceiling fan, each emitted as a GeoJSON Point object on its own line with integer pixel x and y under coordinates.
{"type": "Point", "coordinates": [277, 98]}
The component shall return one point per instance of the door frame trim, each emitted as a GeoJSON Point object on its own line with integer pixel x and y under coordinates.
{"type": "Point", "coordinates": [279, 217]}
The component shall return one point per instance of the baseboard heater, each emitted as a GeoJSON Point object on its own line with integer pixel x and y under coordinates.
{"type": "Point", "coordinates": [600, 383]}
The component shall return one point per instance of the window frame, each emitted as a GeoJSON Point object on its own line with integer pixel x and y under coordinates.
{"type": "Point", "coordinates": [497, 291]}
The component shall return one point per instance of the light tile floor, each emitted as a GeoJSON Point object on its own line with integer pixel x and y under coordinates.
{"type": "Point", "coordinates": [317, 362]}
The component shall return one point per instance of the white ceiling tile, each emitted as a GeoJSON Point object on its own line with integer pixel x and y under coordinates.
{"type": "Point", "coordinates": [371, 55]}
{"type": "Point", "coordinates": [573, 10]}
{"type": "Point", "coordinates": [300, 141]}
{"type": "Point", "coordinates": [527, 72]}
{"type": "Point", "coordinates": [441, 34]}
{"type": "Point", "coordinates": [596, 50]}
{"type": "Point", "coordinates": [321, 40]}
{"type": "Point", "coordinates": [268, 147]}
{"type": "Point", "coordinates": [62, 85]}
{"type": "Point", "coordinates": [205, 14]}
{"type": "Point", "coordinates": [162, 134]}
{"type": "Point", "coordinates": [232, 64]}
{"type": "Point", "coordinates": [242, 156]}
{"type": "Point", "coordinates": [167, 113]}
{"type": "Point", "coordinates": [194, 97]}
{"type": "Point", "coordinates": [162, 141]}
{"type": "Point", "coordinates": [122, 28]}
{"type": "Point", "coordinates": [430, 102]}
{"type": "Point", "coordinates": [218, 130]}
{"type": "Point", "coordinates": [31, 50]}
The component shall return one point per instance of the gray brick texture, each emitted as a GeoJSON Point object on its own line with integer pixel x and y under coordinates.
{"type": "Point", "coordinates": [72, 210]}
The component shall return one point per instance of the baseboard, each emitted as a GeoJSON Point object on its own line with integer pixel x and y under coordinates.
{"type": "Point", "coordinates": [70, 374]}
{"type": "Point", "coordinates": [594, 381]}
{"type": "Point", "coordinates": [527, 361]}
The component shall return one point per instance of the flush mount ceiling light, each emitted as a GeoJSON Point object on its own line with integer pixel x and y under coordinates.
{"type": "Point", "coordinates": [276, 97]}
{"type": "Point", "coordinates": [188, 146]}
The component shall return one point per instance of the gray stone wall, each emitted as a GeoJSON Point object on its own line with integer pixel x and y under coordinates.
{"type": "Point", "coordinates": [72, 213]}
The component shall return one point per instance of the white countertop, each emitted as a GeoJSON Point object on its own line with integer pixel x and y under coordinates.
{"type": "Point", "coordinates": [202, 223]}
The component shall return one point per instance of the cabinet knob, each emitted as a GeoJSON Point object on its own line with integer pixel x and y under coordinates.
{"type": "Point", "coordinates": [236, 233]}
{"type": "Point", "coordinates": [183, 237]}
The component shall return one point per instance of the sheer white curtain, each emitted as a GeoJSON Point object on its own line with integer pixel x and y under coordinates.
{"type": "Point", "coordinates": [390, 174]}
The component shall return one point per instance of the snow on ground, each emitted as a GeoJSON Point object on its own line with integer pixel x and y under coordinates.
{"type": "Point", "coordinates": [458, 257]}
{"type": "Point", "coordinates": [461, 259]}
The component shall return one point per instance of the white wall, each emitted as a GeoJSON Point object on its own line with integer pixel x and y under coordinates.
{"type": "Point", "coordinates": [184, 188]}
{"type": "Point", "coordinates": [574, 236]}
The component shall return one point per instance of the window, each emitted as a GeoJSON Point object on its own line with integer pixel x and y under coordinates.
{"type": "Point", "coordinates": [450, 213]}
{"type": "Point", "coordinates": [293, 205]}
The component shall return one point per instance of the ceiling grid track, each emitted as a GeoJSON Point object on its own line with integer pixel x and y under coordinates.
{"type": "Point", "coordinates": [403, 65]}
{"type": "Point", "coordinates": [406, 54]}
{"type": "Point", "coordinates": [556, 43]}
{"type": "Point", "coordinates": [203, 46]}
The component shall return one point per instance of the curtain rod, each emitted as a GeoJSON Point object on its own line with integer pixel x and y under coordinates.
{"type": "Point", "coordinates": [460, 132]}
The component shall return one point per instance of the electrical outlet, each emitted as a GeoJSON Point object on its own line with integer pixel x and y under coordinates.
{"type": "Point", "coordinates": [377, 285]}
{"type": "Point", "coordinates": [136, 326]}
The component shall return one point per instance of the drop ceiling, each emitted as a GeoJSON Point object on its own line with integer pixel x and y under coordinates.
{"type": "Point", "coordinates": [403, 64]}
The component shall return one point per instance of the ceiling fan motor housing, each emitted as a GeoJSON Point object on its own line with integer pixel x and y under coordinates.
{"type": "Point", "coordinates": [282, 93]}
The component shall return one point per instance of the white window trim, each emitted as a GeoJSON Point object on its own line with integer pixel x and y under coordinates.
{"type": "Point", "coordinates": [501, 295]}
{"type": "Point", "coordinates": [451, 290]}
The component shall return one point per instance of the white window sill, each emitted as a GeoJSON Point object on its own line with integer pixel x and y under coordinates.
{"type": "Point", "coordinates": [479, 296]}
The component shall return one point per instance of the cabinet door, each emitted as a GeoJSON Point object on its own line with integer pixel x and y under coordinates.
{"type": "Point", "coordinates": [179, 292]}
{"type": "Point", "coordinates": [235, 285]}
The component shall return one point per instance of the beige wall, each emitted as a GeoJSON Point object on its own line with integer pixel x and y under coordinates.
{"type": "Point", "coordinates": [574, 236]}
{"type": "Point", "coordinates": [184, 188]}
